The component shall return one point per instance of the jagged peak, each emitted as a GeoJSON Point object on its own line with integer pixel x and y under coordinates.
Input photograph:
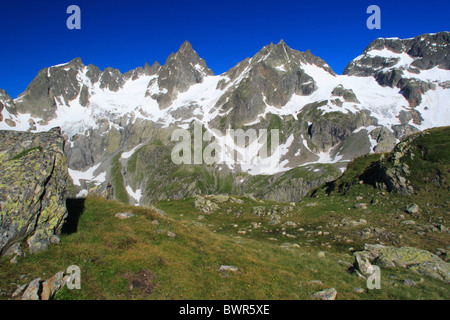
{"type": "Point", "coordinates": [112, 70]}
{"type": "Point", "coordinates": [280, 53]}
{"type": "Point", "coordinates": [76, 62]}
{"type": "Point", "coordinates": [185, 49]}
{"type": "Point", "coordinates": [399, 45]}
{"type": "Point", "coordinates": [4, 94]}
{"type": "Point", "coordinates": [154, 65]}
{"type": "Point", "coordinates": [186, 46]}
{"type": "Point", "coordinates": [187, 56]}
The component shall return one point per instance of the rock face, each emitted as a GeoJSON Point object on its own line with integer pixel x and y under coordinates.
{"type": "Point", "coordinates": [394, 172]}
{"type": "Point", "coordinates": [273, 76]}
{"type": "Point", "coordinates": [32, 190]}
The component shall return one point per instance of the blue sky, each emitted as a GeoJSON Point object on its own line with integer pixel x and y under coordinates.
{"type": "Point", "coordinates": [126, 34]}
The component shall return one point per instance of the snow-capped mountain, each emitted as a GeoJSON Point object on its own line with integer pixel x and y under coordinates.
{"type": "Point", "coordinates": [394, 88]}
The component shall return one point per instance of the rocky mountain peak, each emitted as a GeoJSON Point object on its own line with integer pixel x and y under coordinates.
{"type": "Point", "coordinates": [270, 78]}
{"type": "Point", "coordinates": [52, 85]}
{"type": "Point", "coordinates": [400, 63]}
{"type": "Point", "coordinates": [280, 56]}
{"type": "Point", "coordinates": [423, 52]}
{"type": "Point", "coordinates": [274, 54]}
{"type": "Point", "coordinates": [187, 57]}
{"type": "Point", "coordinates": [6, 102]}
{"type": "Point", "coordinates": [182, 70]}
{"type": "Point", "coordinates": [76, 63]}
{"type": "Point", "coordinates": [112, 79]}
{"type": "Point", "coordinates": [431, 50]}
{"type": "Point", "coordinates": [151, 70]}
{"type": "Point", "coordinates": [186, 47]}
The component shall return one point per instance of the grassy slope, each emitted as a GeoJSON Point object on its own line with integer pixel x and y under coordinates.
{"type": "Point", "coordinates": [114, 253]}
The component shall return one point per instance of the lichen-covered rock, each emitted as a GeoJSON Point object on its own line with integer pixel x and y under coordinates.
{"type": "Point", "coordinates": [205, 205]}
{"type": "Point", "coordinates": [362, 263]}
{"type": "Point", "coordinates": [421, 261]}
{"type": "Point", "coordinates": [32, 189]}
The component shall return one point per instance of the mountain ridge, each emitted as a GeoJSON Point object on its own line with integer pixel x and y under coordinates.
{"type": "Point", "coordinates": [323, 118]}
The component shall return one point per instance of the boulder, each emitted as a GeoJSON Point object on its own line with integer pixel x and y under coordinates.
{"type": "Point", "coordinates": [32, 189]}
{"type": "Point", "coordinates": [42, 290]}
{"type": "Point", "coordinates": [51, 286]}
{"type": "Point", "coordinates": [362, 263]}
{"type": "Point", "coordinates": [421, 261]}
{"type": "Point", "coordinates": [348, 222]}
{"type": "Point", "coordinates": [274, 219]}
{"type": "Point", "coordinates": [32, 290]}
{"type": "Point", "coordinates": [413, 210]}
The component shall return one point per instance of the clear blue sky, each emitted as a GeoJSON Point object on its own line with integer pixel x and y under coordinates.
{"type": "Point", "coordinates": [126, 34]}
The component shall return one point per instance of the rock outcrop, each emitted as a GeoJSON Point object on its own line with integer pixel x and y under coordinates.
{"type": "Point", "coordinates": [418, 260]}
{"type": "Point", "coordinates": [32, 190]}
{"type": "Point", "coordinates": [42, 289]}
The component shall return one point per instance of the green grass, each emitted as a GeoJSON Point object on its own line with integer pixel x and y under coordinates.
{"type": "Point", "coordinates": [429, 157]}
{"type": "Point", "coordinates": [112, 253]}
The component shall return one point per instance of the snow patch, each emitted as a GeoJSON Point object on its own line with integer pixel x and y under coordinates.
{"type": "Point", "coordinates": [135, 195]}
{"type": "Point", "coordinates": [127, 155]}
{"type": "Point", "coordinates": [87, 175]}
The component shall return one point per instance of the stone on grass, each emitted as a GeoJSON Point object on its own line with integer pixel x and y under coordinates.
{"type": "Point", "coordinates": [358, 290]}
{"type": "Point", "coordinates": [32, 290]}
{"type": "Point", "coordinates": [409, 282]}
{"type": "Point", "coordinates": [124, 215]}
{"type": "Point", "coordinates": [413, 210]}
{"type": "Point", "coordinates": [226, 268]}
{"type": "Point", "coordinates": [327, 294]}
{"type": "Point", "coordinates": [51, 286]}
{"type": "Point", "coordinates": [171, 234]}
